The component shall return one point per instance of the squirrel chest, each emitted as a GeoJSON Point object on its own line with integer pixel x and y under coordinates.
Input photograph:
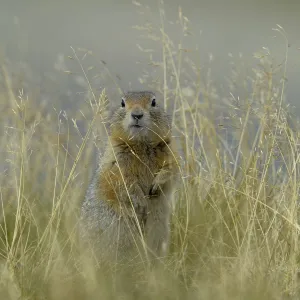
{"type": "Point", "coordinates": [137, 164]}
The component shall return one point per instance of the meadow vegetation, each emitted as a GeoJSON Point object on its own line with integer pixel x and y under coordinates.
{"type": "Point", "coordinates": [235, 229]}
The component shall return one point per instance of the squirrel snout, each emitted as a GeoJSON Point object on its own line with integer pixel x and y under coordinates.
{"type": "Point", "coordinates": [137, 115]}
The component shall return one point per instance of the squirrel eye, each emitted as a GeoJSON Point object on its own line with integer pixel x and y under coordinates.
{"type": "Point", "coordinates": [122, 103]}
{"type": "Point", "coordinates": [153, 102]}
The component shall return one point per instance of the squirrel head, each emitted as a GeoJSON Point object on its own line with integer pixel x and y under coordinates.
{"type": "Point", "coordinates": [140, 117]}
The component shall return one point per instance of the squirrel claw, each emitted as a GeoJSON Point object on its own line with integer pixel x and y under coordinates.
{"type": "Point", "coordinates": [154, 190]}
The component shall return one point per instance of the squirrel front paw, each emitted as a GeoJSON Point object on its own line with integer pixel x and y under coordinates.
{"type": "Point", "coordinates": [137, 207]}
{"type": "Point", "coordinates": [154, 190]}
{"type": "Point", "coordinates": [140, 208]}
{"type": "Point", "coordinates": [159, 181]}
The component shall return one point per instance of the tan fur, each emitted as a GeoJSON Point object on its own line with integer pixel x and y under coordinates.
{"type": "Point", "coordinates": [132, 188]}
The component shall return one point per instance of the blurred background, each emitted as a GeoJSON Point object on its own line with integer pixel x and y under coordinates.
{"type": "Point", "coordinates": [36, 37]}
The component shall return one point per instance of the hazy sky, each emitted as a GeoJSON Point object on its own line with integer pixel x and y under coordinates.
{"type": "Point", "coordinates": [36, 32]}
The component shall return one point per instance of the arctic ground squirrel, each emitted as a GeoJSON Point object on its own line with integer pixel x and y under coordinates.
{"type": "Point", "coordinates": [128, 203]}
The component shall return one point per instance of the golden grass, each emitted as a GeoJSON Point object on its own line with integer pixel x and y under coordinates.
{"type": "Point", "coordinates": [235, 223]}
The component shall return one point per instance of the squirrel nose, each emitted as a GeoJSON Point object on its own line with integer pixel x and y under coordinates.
{"type": "Point", "coordinates": [137, 116]}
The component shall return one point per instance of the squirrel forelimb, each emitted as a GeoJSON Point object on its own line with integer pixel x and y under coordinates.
{"type": "Point", "coordinates": [162, 177]}
{"type": "Point", "coordinates": [137, 200]}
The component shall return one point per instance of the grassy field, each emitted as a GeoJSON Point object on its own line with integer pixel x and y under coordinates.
{"type": "Point", "coordinates": [235, 231]}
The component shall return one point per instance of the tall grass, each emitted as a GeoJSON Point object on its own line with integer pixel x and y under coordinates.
{"type": "Point", "coordinates": [235, 221]}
